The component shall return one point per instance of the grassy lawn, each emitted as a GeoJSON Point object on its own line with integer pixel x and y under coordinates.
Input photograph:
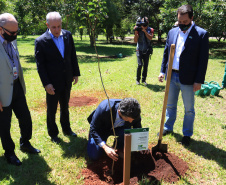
{"type": "Point", "coordinates": [62, 164]}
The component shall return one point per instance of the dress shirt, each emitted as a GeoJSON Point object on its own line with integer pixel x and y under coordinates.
{"type": "Point", "coordinates": [13, 58]}
{"type": "Point", "coordinates": [59, 42]}
{"type": "Point", "coordinates": [180, 46]}
{"type": "Point", "coordinates": [118, 123]}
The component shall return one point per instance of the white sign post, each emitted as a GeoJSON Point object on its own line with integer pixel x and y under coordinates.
{"type": "Point", "coordinates": [134, 140]}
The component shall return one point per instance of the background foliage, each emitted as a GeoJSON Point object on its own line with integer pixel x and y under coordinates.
{"type": "Point", "coordinates": [115, 17]}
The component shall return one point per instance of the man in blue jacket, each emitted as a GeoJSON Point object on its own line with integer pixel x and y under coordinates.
{"type": "Point", "coordinates": [125, 113]}
{"type": "Point", "coordinates": [189, 69]}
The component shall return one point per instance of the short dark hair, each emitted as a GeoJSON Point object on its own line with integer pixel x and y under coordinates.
{"type": "Point", "coordinates": [185, 9]}
{"type": "Point", "coordinates": [130, 107]}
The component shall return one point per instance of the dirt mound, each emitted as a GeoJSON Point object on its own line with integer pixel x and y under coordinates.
{"type": "Point", "coordinates": [82, 101]}
{"type": "Point", "coordinates": [166, 167]}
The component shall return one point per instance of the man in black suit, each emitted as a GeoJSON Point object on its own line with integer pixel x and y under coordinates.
{"type": "Point", "coordinates": [125, 114]}
{"type": "Point", "coordinates": [57, 67]}
{"type": "Point", "coordinates": [189, 69]}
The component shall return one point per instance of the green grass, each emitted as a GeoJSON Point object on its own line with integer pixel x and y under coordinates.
{"type": "Point", "coordinates": [62, 164]}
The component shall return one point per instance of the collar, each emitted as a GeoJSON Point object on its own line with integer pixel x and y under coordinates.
{"type": "Point", "coordinates": [2, 39]}
{"type": "Point", "coordinates": [188, 31]}
{"type": "Point", "coordinates": [61, 34]}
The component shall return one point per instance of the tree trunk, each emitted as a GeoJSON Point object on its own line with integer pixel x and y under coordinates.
{"type": "Point", "coordinates": [91, 40]}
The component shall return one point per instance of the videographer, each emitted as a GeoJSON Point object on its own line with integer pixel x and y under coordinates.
{"type": "Point", "coordinates": [142, 36]}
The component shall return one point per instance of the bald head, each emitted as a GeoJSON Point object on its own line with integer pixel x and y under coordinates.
{"type": "Point", "coordinates": [8, 26]}
{"type": "Point", "coordinates": [7, 18]}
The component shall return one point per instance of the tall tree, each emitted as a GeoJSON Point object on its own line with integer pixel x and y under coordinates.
{"type": "Point", "coordinates": [92, 12]}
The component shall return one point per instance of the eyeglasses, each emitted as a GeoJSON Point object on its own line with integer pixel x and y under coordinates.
{"type": "Point", "coordinates": [11, 32]}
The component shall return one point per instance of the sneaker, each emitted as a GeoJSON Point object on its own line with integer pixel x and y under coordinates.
{"type": "Point", "coordinates": [186, 140]}
{"type": "Point", "coordinates": [137, 82]}
{"type": "Point", "coordinates": [165, 132]}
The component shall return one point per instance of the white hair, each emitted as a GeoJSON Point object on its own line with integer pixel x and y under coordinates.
{"type": "Point", "coordinates": [53, 15]}
{"type": "Point", "coordinates": [6, 17]}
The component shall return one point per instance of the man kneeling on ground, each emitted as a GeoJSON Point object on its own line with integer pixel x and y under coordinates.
{"type": "Point", "coordinates": [125, 113]}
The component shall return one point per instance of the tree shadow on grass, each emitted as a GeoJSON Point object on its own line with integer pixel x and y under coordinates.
{"type": "Point", "coordinates": [206, 150]}
{"type": "Point", "coordinates": [76, 148]}
{"type": "Point", "coordinates": [155, 88]}
{"type": "Point", "coordinates": [28, 58]}
{"type": "Point", "coordinates": [34, 170]}
{"type": "Point", "coordinates": [104, 50]}
{"type": "Point", "coordinates": [94, 59]}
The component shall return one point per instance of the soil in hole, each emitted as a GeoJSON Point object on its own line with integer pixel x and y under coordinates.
{"type": "Point", "coordinates": [167, 167]}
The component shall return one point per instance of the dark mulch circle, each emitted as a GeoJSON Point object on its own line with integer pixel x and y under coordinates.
{"type": "Point", "coordinates": [82, 101]}
{"type": "Point", "coordinates": [157, 167]}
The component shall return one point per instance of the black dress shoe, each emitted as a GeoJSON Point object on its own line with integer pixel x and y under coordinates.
{"type": "Point", "coordinates": [29, 149]}
{"type": "Point", "coordinates": [186, 141]}
{"type": "Point", "coordinates": [70, 134]}
{"type": "Point", "coordinates": [12, 159]}
{"type": "Point", "coordinates": [55, 140]}
{"type": "Point", "coordinates": [165, 132]}
{"type": "Point", "coordinates": [145, 83]}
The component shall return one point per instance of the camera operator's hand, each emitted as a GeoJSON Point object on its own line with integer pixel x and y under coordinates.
{"type": "Point", "coordinates": [136, 35]}
{"type": "Point", "coordinates": [144, 28]}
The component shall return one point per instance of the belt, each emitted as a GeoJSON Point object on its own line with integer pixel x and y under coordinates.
{"type": "Point", "coordinates": [16, 80]}
{"type": "Point", "coordinates": [175, 71]}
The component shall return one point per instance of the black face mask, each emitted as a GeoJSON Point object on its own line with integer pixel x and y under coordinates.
{"type": "Point", "coordinates": [184, 27]}
{"type": "Point", "coordinates": [9, 38]}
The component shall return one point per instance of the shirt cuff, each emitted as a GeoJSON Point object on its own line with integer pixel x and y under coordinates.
{"type": "Point", "coordinates": [101, 144]}
{"type": "Point", "coordinates": [162, 73]}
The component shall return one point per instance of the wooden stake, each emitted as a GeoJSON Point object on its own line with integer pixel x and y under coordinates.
{"type": "Point", "coordinates": [127, 159]}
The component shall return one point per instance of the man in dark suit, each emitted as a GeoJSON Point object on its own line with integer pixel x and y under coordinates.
{"type": "Point", "coordinates": [125, 113]}
{"type": "Point", "coordinates": [189, 69]}
{"type": "Point", "coordinates": [12, 91]}
{"type": "Point", "coordinates": [57, 67]}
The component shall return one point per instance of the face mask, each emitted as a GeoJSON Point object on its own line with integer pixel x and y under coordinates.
{"type": "Point", "coordinates": [9, 38]}
{"type": "Point", "coordinates": [184, 27]}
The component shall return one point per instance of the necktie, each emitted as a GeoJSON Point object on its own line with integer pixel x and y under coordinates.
{"type": "Point", "coordinates": [8, 49]}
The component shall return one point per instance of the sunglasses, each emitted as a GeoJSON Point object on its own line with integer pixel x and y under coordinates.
{"type": "Point", "coordinates": [11, 32]}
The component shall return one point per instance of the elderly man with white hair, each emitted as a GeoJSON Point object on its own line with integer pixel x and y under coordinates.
{"type": "Point", "coordinates": [57, 66]}
{"type": "Point", "coordinates": [12, 91]}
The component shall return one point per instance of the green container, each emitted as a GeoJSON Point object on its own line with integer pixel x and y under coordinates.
{"type": "Point", "coordinates": [216, 88]}
{"type": "Point", "coordinates": [200, 92]}
{"type": "Point", "coordinates": [207, 89]}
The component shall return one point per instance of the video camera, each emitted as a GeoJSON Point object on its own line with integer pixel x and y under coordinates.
{"type": "Point", "coordinates": [140, 23]}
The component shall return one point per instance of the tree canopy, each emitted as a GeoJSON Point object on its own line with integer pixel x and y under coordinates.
{"type": "Point", "coordinates": [114, 17]}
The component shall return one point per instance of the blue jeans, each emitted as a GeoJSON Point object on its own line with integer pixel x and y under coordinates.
{"type": "Point", "coordinates": [188, 97]}
{"type": "Point", "coordinates": [94, 151]}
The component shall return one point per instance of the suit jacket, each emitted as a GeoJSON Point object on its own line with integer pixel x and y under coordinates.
{"type": "Point", "coordinates": [52, 67]}
{"type": "Point", "coordinates": [6, 76]}
{"type": "Point", "coordinates": [194, 57]}
{"type": "Point", "coordinates": [100, 120]}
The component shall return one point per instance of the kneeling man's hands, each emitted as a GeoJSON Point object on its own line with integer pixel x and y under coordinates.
{"type": "Point", "coordinates": [111, 152]}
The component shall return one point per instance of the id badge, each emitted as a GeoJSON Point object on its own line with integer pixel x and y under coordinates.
{"type": "Point", "coordinates": [14, 71]}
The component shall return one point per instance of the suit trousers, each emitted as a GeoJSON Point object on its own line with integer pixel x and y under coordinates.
{"type": "Point", "coordinates": [94, 151]}
{"type": "Point", "coordinates": [188, 97]}
{"type": "Point", "coordinates": [63, 98]}
{"type": "Point", "coordinates": [22, 113]}
{"type": "Point", "coordinates": [142, 60]}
